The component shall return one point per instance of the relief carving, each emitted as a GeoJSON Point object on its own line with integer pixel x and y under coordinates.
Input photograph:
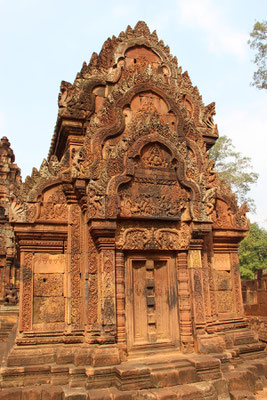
{"type": "Point", "coordinates": [198, 295]}
{"type": "Point", "coordinates": [49, 309]}
{"type": "Point", "coordinates": [48, 285]}
{"type": "Point", "coordinates": [96, 201]}
{"type": "Point", "coordinates": [92, 299]}
{"type": "Point", "coordinates": [154, 156]}
{"type": "Point", "coordinates": [108, 301]}
{"type": "Point", "coordinates": [149, 205]}
{"type": "Point", "coordinates": [55, 208]}
{"type": "Point", "coordinates": [225, 301]}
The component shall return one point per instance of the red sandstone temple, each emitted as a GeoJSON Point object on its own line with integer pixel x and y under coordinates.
{"type": "Point", "coordinates": [128, 241]}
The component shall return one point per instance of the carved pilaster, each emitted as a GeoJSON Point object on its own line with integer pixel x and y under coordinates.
{"type": "Point", "coordinates": [206, 286]}
{"type": "Point", "coordinates": [120, 297]}
{"type": "Point", "coordinates": [92, 300]}
{"type": "Point", "coordinates": [103, 233]}
{"type": "Point", "coordinates": [27, 292]}
{"type": "Point", "coordinates": [195, 272]}
{"type": "Point", "coordinates": [108, 292]}
{"type": "Point", "coordinates": [185, 312]}
{"type": "Point", "coordinates": [237, 284]}
{"type": "Point", "coordinates": [75, 258]}
{"type": "Point", "coordinates": [208, 270]}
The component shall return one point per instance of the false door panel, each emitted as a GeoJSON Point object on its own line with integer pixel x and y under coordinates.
{"type": "Point", "coordinates": [151, 302]}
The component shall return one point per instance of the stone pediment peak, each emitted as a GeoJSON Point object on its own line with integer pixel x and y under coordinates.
{"type": "Point", "coordinates": [140, 33]}
{"type": "Point", "coordinates": [48, 173]}
{"type": "Point", "coordinates": [126, 64]}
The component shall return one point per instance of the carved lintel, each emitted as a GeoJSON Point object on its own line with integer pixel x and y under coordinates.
{"type": "Point", "coordinates": [152, 239]}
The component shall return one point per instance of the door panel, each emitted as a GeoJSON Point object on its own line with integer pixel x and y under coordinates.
{"type": "Point", "coordinates": [150, 284]}
{"type": "Point", "coordinates": [139, 301]}
{"type": "Point", "coordinates": [162, 309]}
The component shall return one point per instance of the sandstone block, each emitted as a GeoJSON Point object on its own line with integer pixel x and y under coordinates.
{"type": "Point", "coordinates": [241, 395]}
{"type": "Point", "coordinates": [10, 394]}
{"type": "Point", "coordinates": [105, 356]}
{"type": "Point", "coordinates": [34, 393]}
{"type": "Point", "coordinates": [52, 392]}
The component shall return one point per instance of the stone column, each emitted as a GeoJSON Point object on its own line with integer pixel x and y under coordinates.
{"type": "Point", "coordinates": [185, 309]}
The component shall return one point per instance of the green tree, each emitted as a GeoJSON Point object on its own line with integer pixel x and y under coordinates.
{"type": "Point", "coordinates": [235, 169]}
{"type": "Point", "coordinates": [253, 252]}
{"type": "Point", "coordinates": [258, 42]}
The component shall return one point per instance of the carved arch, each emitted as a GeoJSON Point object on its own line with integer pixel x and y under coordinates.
{"type": "Point", "coordinates": [116, 113]}
{"type": "Point", "coordinates": [136, 149]}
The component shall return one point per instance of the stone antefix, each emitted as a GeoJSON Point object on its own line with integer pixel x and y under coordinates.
{"type": "Point", "coordinates": [128, 240]}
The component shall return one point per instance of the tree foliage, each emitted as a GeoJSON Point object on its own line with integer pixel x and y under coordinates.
{"type": "Point", "coordinates": [253, 252]}
{"type": "Point", "coordinates": [235, 169]}
{"type": "Point", "coordinates": [258, 42]}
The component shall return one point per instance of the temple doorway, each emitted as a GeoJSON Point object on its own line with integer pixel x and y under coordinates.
{"type": "Point", "coordinates": [151, 302]}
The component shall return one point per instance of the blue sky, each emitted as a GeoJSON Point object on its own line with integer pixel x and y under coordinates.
{"type": "Point", "coordinates": [44, 42]}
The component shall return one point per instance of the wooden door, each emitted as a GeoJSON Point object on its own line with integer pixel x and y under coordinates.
{"type": "Point", "coordinates": [151, 302]}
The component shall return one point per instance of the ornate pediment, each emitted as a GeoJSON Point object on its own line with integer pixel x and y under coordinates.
{"type": "Point", "coordinates": [139, 132]}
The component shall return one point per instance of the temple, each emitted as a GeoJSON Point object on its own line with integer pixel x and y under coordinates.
{"type": "Point", "coordinates": [128, 240]}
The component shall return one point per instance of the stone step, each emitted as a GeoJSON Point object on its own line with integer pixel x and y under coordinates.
{"type": "Point", "coordinates": [197, 391]}
{"type": "Point", "coordinates": [126, 376]}
{"type": "Point", "coordinates": [237, 385]}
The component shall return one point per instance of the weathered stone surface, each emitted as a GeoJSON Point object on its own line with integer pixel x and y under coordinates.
{"type": "Point", "coordinates": [31, 394]}
{"type": "Point", "coordinates": [10, 394]}
{"type": "Point", "coordinates": [52, 393]}
{"type": "Point", "coordinates": [105, 356]}
{"type": "Point", "coordinates": [241, 380]}
{"type": "Point", "coordinates": [241, 395]}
